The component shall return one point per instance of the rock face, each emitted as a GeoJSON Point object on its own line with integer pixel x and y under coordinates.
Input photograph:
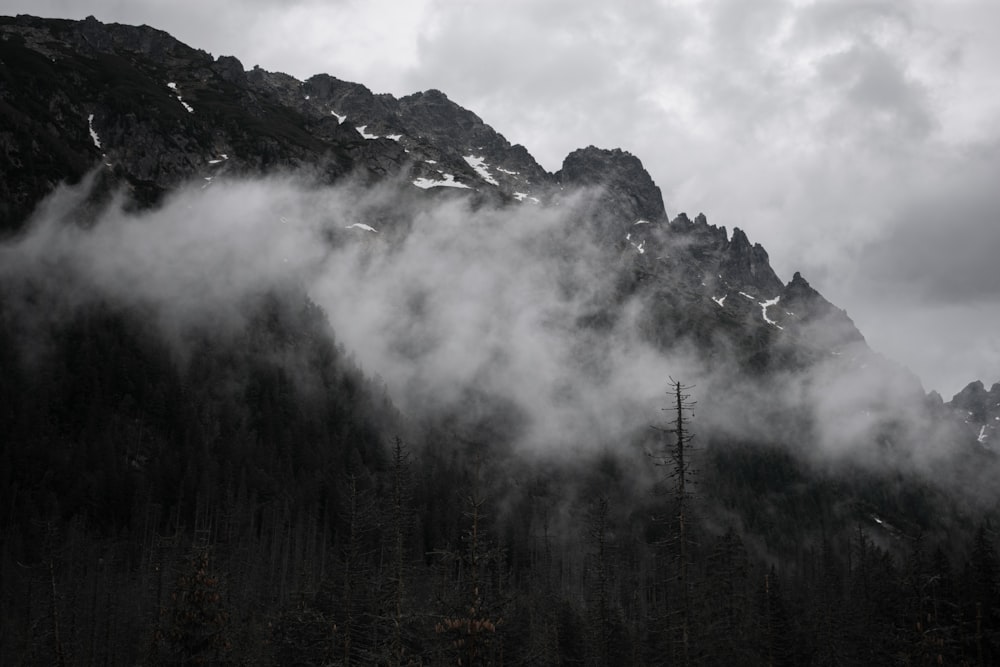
{"type": "Point", "coordinates": [748, 265]}
{"type": "Point", "coordinates": [628, 188]}
{"type": "Point", "coordinates": [623, 191]}
{"type": "Point", "coordinates": [979, 409]}
{"type": "Point", "coordinates": [152, 112]}
{"type": "Point", "coordinates": [440, 136]}
{"type": "Point", "coordinates": [82, 94]}
{"type": "Point", "coordinates": [164, 113]}
{"type": "Point", "coordinates": [708, 286]}
{"type": "Point", "coordinates": [836, 329]}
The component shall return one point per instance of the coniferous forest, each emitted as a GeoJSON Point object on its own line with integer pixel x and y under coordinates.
{"type": "Point", "coordinates": [252, 498]}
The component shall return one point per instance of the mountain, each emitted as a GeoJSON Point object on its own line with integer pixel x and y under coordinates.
{"type": "Point", "coordinates": [427, 435]}
{"type": "Point", "coordinates": [157, 113]}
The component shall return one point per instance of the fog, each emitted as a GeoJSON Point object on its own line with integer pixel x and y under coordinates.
{"type": "Point", "coordinates": [457, 308]}
{"type": "Point", "coordinates": [449, 300]}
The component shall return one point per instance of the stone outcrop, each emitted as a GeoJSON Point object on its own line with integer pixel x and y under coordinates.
{"type": "Point", "coordinates": [624, 191]}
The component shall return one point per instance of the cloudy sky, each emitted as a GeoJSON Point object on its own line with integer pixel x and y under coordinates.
{"type": "Point", "coordinates": [857, 140]}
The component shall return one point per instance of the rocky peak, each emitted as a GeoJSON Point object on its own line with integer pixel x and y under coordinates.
{"type": "Point", "coordinates": [722, 263]}
{"type": "Point", "coordinates": [974, 399]}
{"type": "Point", "coordinates": [699, 228]}
{"type": "Point", "coordinates": [625, 191]}
{"type": "Point", "coordinates": [621, 174]}
{"type": "Point", "coordinates": [148, 112]}
{"type": "Point", "coordinates": [749, 265]}
{"type": "Point", "coordinates": [799, 287]}
{"type": "Point", "coordinates": [115, 37]}
{"type": "Point", "coordinates": [829, 327]}
{"type": "Point", "coordinates": [433, 117]}
{"type": "Point", "coordinates": [431, 107]}
{"type": "Point", "coordinates": [354, 101]}
{"type": "Point", "coordinates": [443, 138]}
{"type": "Point", "coordinates": [230, 69]}
{"type": "Point", "coordinates": [979, 411]}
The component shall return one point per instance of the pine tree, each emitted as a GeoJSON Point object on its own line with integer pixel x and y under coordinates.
{"type": "Point", "coordinates": [198, 623]}
{"type": "Point", "coordinates": [470, 627]}
{"type": "Point", "coordinates": [983, 580]}
{"type": "Point", "coordinates": [357, 575]}
{"type": "Point", "coordinates": [400, 518]}
{"type": "Point", "coordinates": [773, 637]}
{"type": "Point", "coordinates": [725, 598]}
{"type": "Point", "coordinates": [599, 588]}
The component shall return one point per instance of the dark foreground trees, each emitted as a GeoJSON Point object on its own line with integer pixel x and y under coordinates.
{"type": "Point", "coordinates": [245, 503]}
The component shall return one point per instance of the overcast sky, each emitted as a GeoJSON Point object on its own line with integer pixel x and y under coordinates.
{"type": "Point", "coordinates": [857, 140]}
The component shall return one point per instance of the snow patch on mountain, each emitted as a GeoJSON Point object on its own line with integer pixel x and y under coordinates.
{"type": "Point", "coordinates": [448, 182]}
{"type": "Point", "coordinates": [363, 226]}
{"type": "Point", "coordinates": [361, 130]}
{"type": "Point", "coordinates": [93, 133]}
{"type": "Point", "coordinates": [479, 164]}
{"type": "Point", "coordinates": [173, 86]}
{"type": "Point", "coordinates": [764, 305]}
{"type": "Point", "coordinates": [720, 300]}
{"type": "Point", "coordinates": [340, 117]}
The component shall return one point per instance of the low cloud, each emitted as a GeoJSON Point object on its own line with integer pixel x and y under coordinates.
{"type": "Point", "coordinates": [441, 301]}
{"type": "Point", "coordinates": [481, 314]}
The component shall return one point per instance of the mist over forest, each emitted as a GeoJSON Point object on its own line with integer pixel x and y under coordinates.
{"type": "Point", "coordinates": [444, 300]}
{"type": "Point", "coordinates": [492, 341]}
{"type": "Point", "coordinates": [355, 397]}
